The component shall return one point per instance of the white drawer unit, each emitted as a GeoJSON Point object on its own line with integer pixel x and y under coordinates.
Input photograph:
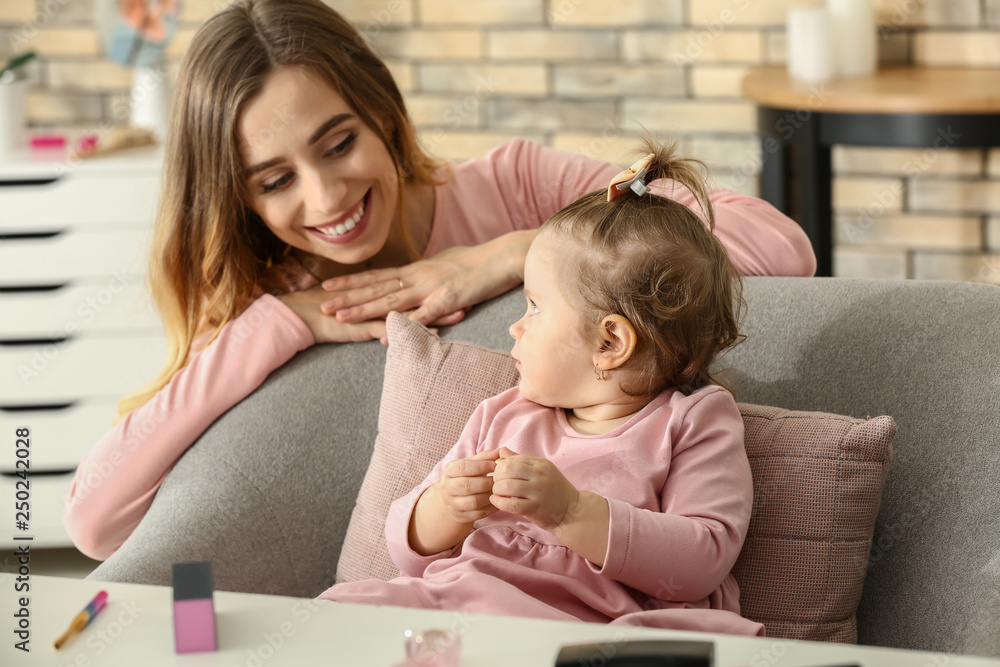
{"type": "Point", "coordinates": [93, 366]}
{"type": "Point", "coordinates": [77, 329]}
{"type": "Point", "coordinates": [44, 194]}
{"type": "Point", "coordinates": [121, 303]}
{"type": "Point", "coordinates": [113, 253]}
{"type": "Point", "coordinates": [68, 432]}
{"type": "Point", "coordinates": [48, 495]}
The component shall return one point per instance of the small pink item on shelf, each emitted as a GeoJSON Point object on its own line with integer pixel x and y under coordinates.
{"type": "Point", "coordinates": [120, 138]}
{"type": "Point", "coordinates": [48, 141]}
{"type": "Point", "coordinates": [432, 648]}
{"type": "Point", "coordinates": [86, 143]}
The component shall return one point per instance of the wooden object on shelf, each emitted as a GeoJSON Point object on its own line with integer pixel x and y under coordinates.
{"type": "Point", "coordinates": [907, 107]}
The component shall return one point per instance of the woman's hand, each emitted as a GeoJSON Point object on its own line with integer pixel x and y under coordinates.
{"type": "Point", "coordinates": [438, 290]}
{"type": "Point", "coordinates": [533, 488]}
{"type": "Point", "coordinates": [325, 329]}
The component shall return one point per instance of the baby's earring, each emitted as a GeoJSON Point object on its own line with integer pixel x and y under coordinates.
{"type": "Point", "coordinates": [599, 373]}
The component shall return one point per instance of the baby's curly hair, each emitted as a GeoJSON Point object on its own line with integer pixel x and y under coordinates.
{"type": "Point", "coordinates": [652, 260]}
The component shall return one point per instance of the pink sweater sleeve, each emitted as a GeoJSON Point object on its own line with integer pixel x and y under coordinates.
{"type": "Point", "coordinates": [760, 239]}
{"type": "Point", "coordinates": [116, 482]}
{"type": "Point", "coordinates": [684, 552]}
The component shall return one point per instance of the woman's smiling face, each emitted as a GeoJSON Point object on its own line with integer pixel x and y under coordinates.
{"type": "Point", "coordinates": [320, 179]}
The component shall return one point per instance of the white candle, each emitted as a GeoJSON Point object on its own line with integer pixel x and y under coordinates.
{"type": "Point", "coordinates": [810, 56]}
{"type": "Point", "coordinates": [854, 35]}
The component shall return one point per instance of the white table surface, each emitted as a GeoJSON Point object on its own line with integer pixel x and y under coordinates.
{"type": "Point", "coordinates": [136, 629]}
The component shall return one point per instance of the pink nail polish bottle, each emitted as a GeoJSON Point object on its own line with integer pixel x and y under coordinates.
{"type": "Point", "coordinates": [194, 608]}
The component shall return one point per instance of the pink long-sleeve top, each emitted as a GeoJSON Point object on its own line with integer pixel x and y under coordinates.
{"type": "Point", "coordinates": [679, 489]}
{"type": "Point", "coordinates": [516, 186]}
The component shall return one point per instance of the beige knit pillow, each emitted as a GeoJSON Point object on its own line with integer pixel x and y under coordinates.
{"type": "Point", "coordinates": [817, 481]}
{"type": "Point", "coordinates": [817, 484]}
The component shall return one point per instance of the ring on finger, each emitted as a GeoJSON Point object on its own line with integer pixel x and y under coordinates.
{"type": "Point", "coordinates": [401, 285]}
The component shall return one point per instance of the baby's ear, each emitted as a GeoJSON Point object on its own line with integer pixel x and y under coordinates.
{"type": "Point", "coordinates": [618, 341]}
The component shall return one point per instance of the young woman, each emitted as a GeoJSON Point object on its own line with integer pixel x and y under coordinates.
{"type": "Point", "coordinates": [297, 208]}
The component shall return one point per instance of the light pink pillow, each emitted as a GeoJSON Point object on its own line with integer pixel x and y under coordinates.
{"type": "Point", "coordinates": [817, 484]}
{"type": "Point", "coordinates": [430, 390]}
{"type": "Point", "coordinates": [817, 481]}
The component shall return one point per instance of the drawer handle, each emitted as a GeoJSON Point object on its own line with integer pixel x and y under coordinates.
{"type": "Point", "coordinates": [17, 289]}
{"type": "Point", "coordinates": [59, 472]}
{"type": "Point", "coordinates": [30, 236]}
{"type": "Point", "coordinates": [25, 342]}
{"type": "Point", "coordinates": [40, 181]}
{"type": "Point", "coordinates": [50, 407]}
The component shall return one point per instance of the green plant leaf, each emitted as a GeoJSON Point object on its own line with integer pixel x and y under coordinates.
{"type": "Point", "coordinates": [18, 61]}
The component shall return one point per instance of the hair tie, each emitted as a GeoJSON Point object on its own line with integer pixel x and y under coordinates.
{"type": "Point", "coordinates": [630, 178]}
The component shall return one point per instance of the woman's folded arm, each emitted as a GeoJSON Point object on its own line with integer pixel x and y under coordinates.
{"type": "Point", "coordinates": [116, 482]}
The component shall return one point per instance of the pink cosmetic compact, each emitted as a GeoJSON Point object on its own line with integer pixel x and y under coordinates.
{"type": "Point", "coordinates": [194, 608]}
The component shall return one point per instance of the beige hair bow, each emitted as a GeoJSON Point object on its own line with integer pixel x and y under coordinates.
{"type": "Point", "coordinates": [630, 178]}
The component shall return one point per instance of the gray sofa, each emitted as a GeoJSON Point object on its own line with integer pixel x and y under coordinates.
{"type": "Point", "coordinates": [267, 491]}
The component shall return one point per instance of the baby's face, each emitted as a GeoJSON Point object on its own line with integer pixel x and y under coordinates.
{"type": "Point", "coordinates": [554, 356]}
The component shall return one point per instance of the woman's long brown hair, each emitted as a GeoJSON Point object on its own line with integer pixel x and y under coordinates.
{"type": "Point", "coordinates": [209, 248]}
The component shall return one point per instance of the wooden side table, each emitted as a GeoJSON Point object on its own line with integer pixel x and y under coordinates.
{"type": "Point", "coordinates": [799, 123]}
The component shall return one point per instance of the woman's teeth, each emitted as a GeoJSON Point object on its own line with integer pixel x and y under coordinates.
{"type": "Point", "coordinates": [345, 226]}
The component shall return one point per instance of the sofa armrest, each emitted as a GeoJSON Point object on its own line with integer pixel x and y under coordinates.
{"type": "Point", "coordinates": [267, 492]}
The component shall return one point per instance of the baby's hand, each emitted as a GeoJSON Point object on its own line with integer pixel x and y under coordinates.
{"type": "Point", "coordinates": [533, 488]}
{"type": "Point", "coordinates": [465, 488]}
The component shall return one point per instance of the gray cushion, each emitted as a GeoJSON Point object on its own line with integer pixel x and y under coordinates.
{"type": "Point", "coordinates": [267, 491]}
